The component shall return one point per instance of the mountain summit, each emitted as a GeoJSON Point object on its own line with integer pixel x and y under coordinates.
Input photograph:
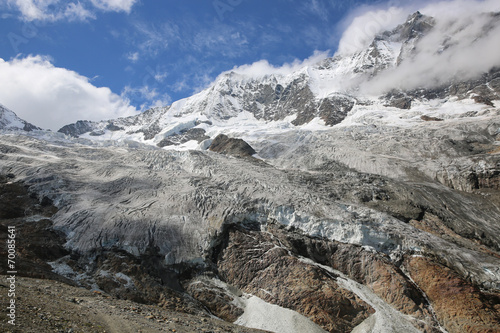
{"type": "Point", "coordinates": [385, 74]}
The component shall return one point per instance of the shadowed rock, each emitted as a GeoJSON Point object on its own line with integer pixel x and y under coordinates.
{"type": "Point", "coordinates": [233, 147]}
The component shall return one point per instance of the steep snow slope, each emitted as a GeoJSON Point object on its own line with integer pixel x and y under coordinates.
{"type": "Point", "coordinates": [10, 121]}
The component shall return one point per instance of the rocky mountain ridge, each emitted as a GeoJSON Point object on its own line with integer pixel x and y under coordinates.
{"type": "Point", "coordinates": [326, 90]}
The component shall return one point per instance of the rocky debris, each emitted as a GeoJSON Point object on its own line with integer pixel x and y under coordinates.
{"type": "Point", "coordinates": [112, 127]}
{"type": "Point", "coordinates": [483, 99]}
{"type": "Point", "coordinates": [49, 306]}
{"type": "Point", "coordinates": [433, 224]}
{"type": "Point", "coordinates": [36, 240]}
{"type": "Point", "coordinates": [230, 146]}
{"type": "Point", "coordinates": [429, 118]}
{"type": "Point", "coordinates": [196, 134]}
{"type": "Point", "coordinates": [482, 173]}
{"type": "Point", "coordinates": [459, 306]}
{"type": "Point", "coordinates": [219, 301]}
{"type": "Point", "coordinates": [257, 264]}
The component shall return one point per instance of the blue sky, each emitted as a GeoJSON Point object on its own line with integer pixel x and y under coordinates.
{"type": "Point", "coordinates": [155, 52]}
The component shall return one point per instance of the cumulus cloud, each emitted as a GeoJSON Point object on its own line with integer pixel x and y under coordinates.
{"type": "Point", "coordinates": [57, 10]}
{"type": "Point", "coordinates": [462, 45]}
{"type": "Point", "coordinates": [51, 97]}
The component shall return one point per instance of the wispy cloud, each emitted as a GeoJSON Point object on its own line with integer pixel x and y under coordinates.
{"type": "Point", "coordinates": [114, 5]}
{"type": "Point", "coordinates": [51, 97]}
{"type": "Point", "coordinates": [263, 67]}
{"type": "Point", "coordinates": [364, 23]}
{"type": "Point", "coordinates": [133, 56]}
{"type": "Point", "coordinates": [150, 96]}
{"type": "Point", "coordinates": [221, 39]}
{"type": "Point", "coordinates": [50, 10]}
{"type": "Point", "coordinates": [153, 39]}
{"type": "Point", "coordinates": [317, 8]}
{"type": "Point", "coordinates": [76, 12]}
{"type": "Point", "coordinates": [57, 10]}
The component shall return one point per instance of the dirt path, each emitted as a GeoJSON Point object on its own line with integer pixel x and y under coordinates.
{"type": "Point", "coordinates": [48, 306]}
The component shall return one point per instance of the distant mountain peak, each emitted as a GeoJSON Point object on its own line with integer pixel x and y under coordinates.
{"type": "Point", "coordinates": [10, 121]}
{"type": "Point", "coordinates": [415, 26]}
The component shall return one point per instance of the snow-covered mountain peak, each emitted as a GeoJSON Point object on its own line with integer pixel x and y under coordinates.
{"type": "Point", "coordinates": [261, 97]}
{"type": "Point", "coordinates": [10, 121]}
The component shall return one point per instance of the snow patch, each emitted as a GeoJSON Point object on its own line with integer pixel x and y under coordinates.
{"type": "Point", "coordinates": [262, 315]}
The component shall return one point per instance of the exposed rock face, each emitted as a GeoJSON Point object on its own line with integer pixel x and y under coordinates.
{"type": "Point", "coordinates": [428, 118]}
{"type": "Point", "coordinates": [230, 146]}
{"type": "Point", "coordinates": [365, 267]}
{"type": "Point", "coordinates": [36, 241]}
{"type": "Point", "coordinates": [78, 128]}
{"type": "Point", "coordinates": [197, 134]}
{"type": "Point", "coordinates": [257, 264]}
{"type": "Point", "coordinates": [398, 100]}
{"type": "Point", "coordinates": [484, 89]}
{"type": "Point", "coordinates": [459, 306]}
{"type": "Point", "coordinates": [219, 301]}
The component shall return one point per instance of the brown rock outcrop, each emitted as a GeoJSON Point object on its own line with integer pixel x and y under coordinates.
{"type": "Point", "coordinates": [371, 269]}
{"type": "Point", "coordinates": [256, 263]}
{"type": "Point", "coordinates": [230, 146]}
{"type": "Point", "coordinates": [216, 299]}
{"type": "Point", "coordinates": [459, 306]}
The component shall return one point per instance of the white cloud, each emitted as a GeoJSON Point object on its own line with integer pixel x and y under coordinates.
{"type": "Point", "coordinates": [150, 95]}
{"type": "Point", "coordinates": [57, 10]}
{"type": "Point", "coordinates": [76, 12]}
{"type": "Point", "coordinates": [51, 10]}
{"type": "Point", "coordinates": [263, 67]}
{"type": "Point", "coordinates": [365, 23]}
{"type": "Point", "coordinates": [133, 56]}
{"type": "Point", "coordinates": [51, 97]}
{"type": "Point", "coordinates": [462, 45]}
{"type": "Point", "coordinates": [114, 5]}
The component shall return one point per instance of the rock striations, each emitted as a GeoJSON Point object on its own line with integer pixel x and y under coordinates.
{"type": "Point", "coordinates": [288, 202]}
